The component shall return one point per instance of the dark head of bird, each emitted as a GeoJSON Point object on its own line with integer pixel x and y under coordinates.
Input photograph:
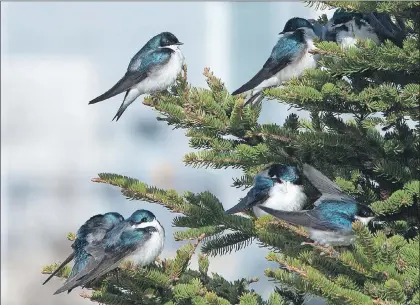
{"type": "Point", "coordinates": [140, 217]}
{"type": "Point", "coordinates": [296, 23]}
{"type": "Point", "coordinates": [342, 16]}
{"type": "Point", "coordinates": [168, 39]}
{"type": "Point", "coordinates": [365, 211]}
{"type": "Point", "coordinates": [281, 172]}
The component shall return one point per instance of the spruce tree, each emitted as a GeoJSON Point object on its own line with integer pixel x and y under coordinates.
{"type": "Point", "coordinates": [373, 155]}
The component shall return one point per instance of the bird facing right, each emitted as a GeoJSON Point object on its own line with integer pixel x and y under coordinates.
{"type": "Point", "coordinates": [289, 58]}
{"type": "Point", "coordinates": [154, 68]}
{"type": "Point", "coordinates": [139, 238]}
{"type": "Point", "coordinates": [93, 230]}
{"type": "Point", "coordinates": [330, 222]}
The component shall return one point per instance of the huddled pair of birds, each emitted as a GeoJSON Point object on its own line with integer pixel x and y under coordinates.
{"type": "Point", "coordinates": [156, 66]}
{"type": "Point", "coordinates": [278, 190]}
{"type": "Point", "coordinates": [104, 241]}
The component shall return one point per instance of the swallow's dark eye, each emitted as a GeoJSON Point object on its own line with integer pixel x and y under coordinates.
{"type": "Point", "coordinates": [144, 219]}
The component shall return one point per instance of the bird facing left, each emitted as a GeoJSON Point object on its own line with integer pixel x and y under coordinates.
{"type": "Point", "coordinates": [139, 238]}
{"type": "Point", "coordinates": [277, 186]}
{"type": "Point", "coordinates": [289, 58]}
{"type": "Point", "coordinates": [152, 69]}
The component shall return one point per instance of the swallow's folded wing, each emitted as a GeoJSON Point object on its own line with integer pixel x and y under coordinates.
{"type": "Point", "coordinates": [107, 254]}
{"type": "Point", "coordinates": [309, 219]}
{"type": "Point", "coordinates": [282, 55]}
{"type": "Point", "coordinates": [150, 63]}
{"type": "Point", "coordinates": [385, 28]}
{"type": "Point", "coordinates": [253, 197]}
{"type": "Point", "coordinates": [329, 190]}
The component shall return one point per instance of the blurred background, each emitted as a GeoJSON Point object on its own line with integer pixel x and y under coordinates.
{"type": "Point", "coordinates": [55, 58]}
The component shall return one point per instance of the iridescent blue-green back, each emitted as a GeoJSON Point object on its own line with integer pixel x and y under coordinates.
{"type": "Point", "coordinates": [151, 45]}
{"type": "Point", "coordinates": [93, 229]}
{"type": "Point", "coordinates": [337, 213]}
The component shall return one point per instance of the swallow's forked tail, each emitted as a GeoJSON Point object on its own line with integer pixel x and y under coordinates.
{"type": "Point", "coordinates": [66, 261]}
{"type": "Point", "coordinates": [123, 107]}
{"type": "Point", "coordinates": [120, 111]}
{"type": "Point", "coordinates": [253, 98]}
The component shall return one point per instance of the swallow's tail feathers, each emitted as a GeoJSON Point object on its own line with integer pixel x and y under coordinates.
{"type": "Point", "coordinates": [128, 99]}
{"type": "Point", "coordinates": [253, 98]}
{"type": "Point", "coordinates": [120, 111]}
{"type": "Point", "coordinates": [66, 261]}
{"type": "Point", "coordinates": [79, 278]}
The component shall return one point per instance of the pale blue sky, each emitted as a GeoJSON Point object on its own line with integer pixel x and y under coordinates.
{"type": "Point", "coordinates": [58, 56]}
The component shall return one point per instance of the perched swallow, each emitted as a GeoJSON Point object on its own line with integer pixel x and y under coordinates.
{"type": "Point", "coordinates": [92, 230]}
{"type": "Point", "coordinates": [278, 187]}
{"type": "Point", "coordinates": [154, 68]}
{"type": "Point", "coordinates": [139, 238]}
{"type": "Point", "coordinates": [347, 27]}
{"type": "Point", "coordinates": [330, 222]}
{"type": "Point", "coordinates": [289, 58]}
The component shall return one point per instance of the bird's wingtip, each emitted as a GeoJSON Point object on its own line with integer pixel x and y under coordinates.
{"type": "Point", "coordinates": [236, 92]}
{"type": "Point", "coordinates": [270, 211]}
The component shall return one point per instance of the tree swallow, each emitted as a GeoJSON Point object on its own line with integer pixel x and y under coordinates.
{"type": "Point", "coordinates": [347, 27]}
{"type": "Point", "coordinates": [92, 230]}
{"type": "Point", "coordinates": [289, 58]}
{"type": "Point", "coordinates": [139, 238]}
{"type": "Point", "coordinates": [330, 222]}
{"type": "Point", "coordinates": [277, 186]}
{"type": "Point", "coordinates": [154, 68]}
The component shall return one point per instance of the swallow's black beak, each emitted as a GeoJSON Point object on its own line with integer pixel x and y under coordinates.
{"type": "Point", "coordinates": [281, 33]}
{"type": "Point", "coordinates": [179, 43]}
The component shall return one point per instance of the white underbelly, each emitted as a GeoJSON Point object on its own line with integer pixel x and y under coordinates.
{"type": "Point", "coordinates": [162, 78]}
{"type": "Point", "coordinates": [349, 38]}
{"type": "Point", "coordinates": [149, 251]}
{"type": "Point", "coordinates": [294, 69]}
{"type": "Point", "coordinates": [330, 238]}
{"type": "Point", "coordinates": [284, 197]}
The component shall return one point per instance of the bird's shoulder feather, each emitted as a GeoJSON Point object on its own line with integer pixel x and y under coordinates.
{"type": "Point", "coordinates": [155, 57]}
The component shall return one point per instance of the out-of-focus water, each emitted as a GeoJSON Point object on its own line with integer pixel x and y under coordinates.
{"type": "Point", "coordinates": [58, 56]}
